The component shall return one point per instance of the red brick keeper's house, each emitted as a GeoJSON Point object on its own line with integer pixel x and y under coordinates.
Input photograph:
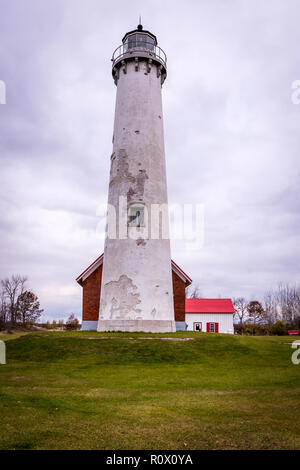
{"type": "Point", "coordinates": [90, 280]}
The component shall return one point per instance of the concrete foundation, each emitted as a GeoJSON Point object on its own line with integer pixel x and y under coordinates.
{"type": "Point", "coordinates": [180, 326]}
{"type": "Point", "coordinates": [148, 326]}
{"type": "Point", "coordinates": [89, 325]}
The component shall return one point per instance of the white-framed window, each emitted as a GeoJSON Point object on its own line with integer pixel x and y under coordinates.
{"type": "Point", "coordinates": [136, 215]}
{"type": "Point", "coordinates": [212, 327]}
{"type": "Point", "coordinates": [197, 326]}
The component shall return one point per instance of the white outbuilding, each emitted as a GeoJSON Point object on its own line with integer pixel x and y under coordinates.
{"type": "Point", "coordinates": [209, 315]}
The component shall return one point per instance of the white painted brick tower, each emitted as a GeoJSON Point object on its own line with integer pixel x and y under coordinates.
{"type": "Point", "coordinates": [136, 289]}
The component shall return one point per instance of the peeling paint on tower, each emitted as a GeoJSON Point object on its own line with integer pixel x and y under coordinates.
{"type": "Point", "coordinates": [123, 298]}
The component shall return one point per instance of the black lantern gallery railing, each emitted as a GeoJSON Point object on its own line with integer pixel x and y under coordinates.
{"type": "Point", "coordinates": [140, 47]}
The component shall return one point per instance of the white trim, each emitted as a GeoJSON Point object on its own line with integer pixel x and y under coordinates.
{"type": "Point", "coordinates": [91, 269]}
{"type": "Point", "coordinates": [178, 272]}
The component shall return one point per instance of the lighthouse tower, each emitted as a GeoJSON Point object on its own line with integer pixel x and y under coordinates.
{"type": "Point", "coordinates": [136, 289]}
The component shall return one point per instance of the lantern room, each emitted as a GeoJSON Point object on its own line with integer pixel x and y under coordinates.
{"type": "Point", "coordinates": [139, 45]}
{"type": "Point", "coordinates": [139, 39]}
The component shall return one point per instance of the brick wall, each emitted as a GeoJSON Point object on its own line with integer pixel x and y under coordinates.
{"type": "Point", "coordinates": [179, 297]}
{"type": "Point", "coordinates": [91, 296]}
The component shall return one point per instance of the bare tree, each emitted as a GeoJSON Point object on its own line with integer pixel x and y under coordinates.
{"type": "Point", "coordinates": [270, 304]}
{"type": "Point", "coordinates": [240, 306]}
{"type": "Point", "coordinates": [3, 310]}
{"type": "Point", "coordinates": [3, 306]}
{"type": "Point", "coordinates": [288, 300]}
{"type": "Point", "coordinates": [193, 292]}
{"type": "Point", "coordinates": [12, 288]}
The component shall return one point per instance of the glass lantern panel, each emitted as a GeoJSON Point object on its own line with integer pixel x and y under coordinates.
{"type": "Point", "coordinates": [139, 40]}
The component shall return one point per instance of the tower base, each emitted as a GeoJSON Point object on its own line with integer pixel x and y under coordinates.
{"type": "Point", "coordinates": [147, 326]}
{"type": "Point", "coordinates": [89, 325]}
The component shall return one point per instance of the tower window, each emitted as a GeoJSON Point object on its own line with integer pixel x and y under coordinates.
{"type": "Point", "coordinates": [136, 216]}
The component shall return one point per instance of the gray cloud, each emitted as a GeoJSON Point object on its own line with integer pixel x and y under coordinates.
{"type": "Point", "coordinates": [231, 131]}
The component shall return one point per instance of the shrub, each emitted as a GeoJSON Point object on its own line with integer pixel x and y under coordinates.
{"type": "Point", "coordinates": [279, 328]}
{"type": "Point", "coordinates": [72, 323]}
{"type": "Point", "coordinates": [253, 329]}
{"type": "Point", "coordinates": [2, 324]}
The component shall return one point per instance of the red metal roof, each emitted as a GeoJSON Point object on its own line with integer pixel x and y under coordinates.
{"type": "Point", "coordinates": [209, 306]}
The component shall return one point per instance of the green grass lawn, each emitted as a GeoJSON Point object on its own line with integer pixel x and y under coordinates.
{"type": "Point", "coordinates": [85, 390]}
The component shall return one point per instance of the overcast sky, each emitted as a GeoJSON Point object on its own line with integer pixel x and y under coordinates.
{"type": "Point", "coordinates": [231, 133]}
